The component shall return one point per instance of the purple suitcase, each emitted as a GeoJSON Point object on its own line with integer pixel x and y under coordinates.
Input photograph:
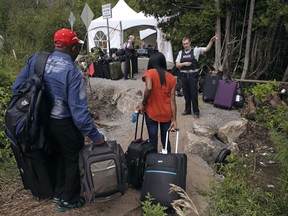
{"type": "Point", "coordinates": [225, 94]}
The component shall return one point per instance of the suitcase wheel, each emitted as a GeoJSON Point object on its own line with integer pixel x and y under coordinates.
{"type": "Point", "coordinates": [221, 158]}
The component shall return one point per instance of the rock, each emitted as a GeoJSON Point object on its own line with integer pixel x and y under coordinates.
{"type": "Point", "coordinates": [203, 130]}
{"type": "Point", "coordinates": [250, 110]}
{"type": "Point", "coordinates": [233, 147]}
{"type": "Point", "coordinates": [127, 100]}
{"type": "Point", "coordinates": [207, 148]}
{"type": "Point", "coordinates": [231, 131]}
{"type": "Point", "coordinates": [276, 100]}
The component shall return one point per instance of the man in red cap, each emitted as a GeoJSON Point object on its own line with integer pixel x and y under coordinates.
{"type": "Point", "coordinates": [70, 119]}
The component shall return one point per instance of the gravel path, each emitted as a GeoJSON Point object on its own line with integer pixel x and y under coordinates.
{"type": "Point", "coordinates": [198, 172]}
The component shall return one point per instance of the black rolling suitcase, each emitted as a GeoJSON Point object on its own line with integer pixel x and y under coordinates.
{"type": "Point", "coordinates": [161, 170]}
{"type": "Point", "coordinates": [98, 72]}
{"type": "Point", "coordinates": [210, 84]}
{"type": "Point", "coordinates": [37, 172]}
{"type": "Point", "coordinates": [106, 70]}
{"type": "Point", "coordinates": [136, 155]}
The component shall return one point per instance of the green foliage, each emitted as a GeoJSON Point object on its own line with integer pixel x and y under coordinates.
{"type": "Point", "coordinates": [38, 33]}
{"type": "Point", "coordinates": [188, 18]}
{"type": "Point", "coordinates": [238, 192]}
{"type": "Point", "coordinates": [270, 8]}
{"type": "Point", "coordinates": [276, 120]}
{"type": "Point", "coordinates": [260, 90]}
{"type": "Point", "coordinates": [150, 209]}
{"type": "Point", "coordinates": [7, 75]}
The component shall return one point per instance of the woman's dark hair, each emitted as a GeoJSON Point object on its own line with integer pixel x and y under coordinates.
{"type": "Point", "coordinates": [157, 61]}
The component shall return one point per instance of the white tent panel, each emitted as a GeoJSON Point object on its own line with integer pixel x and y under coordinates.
{"type": "Point", "coordinates": [124, 17]}
{"type": "Point", "coordinates": [145, 33]}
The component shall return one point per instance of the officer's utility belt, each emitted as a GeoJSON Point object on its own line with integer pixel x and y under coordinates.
{"type": "Point", "coordinates": [186, 73]}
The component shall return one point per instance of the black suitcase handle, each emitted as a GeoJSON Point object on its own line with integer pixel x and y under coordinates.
{"type": "Point", "coordinates": [142, 126]}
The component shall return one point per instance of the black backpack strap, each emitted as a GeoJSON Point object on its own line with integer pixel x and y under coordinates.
{"type": "Point", "coordinates": [39, 70]}
{"type": "Point", "coordinates": [41, 63]}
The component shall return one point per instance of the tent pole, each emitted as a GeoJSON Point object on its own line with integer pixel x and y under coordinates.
{"type": "Point", "coordinates": [108, 48]}
{"type": "Point", "coordinates": [121, 36]}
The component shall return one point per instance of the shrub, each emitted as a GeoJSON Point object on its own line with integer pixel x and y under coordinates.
{"type": "Point", "coordinates": [260, 90]}
{"type": "Point", "coordinates": [238, 192]}
{"type": "Point", "coordinates": [150, 209]}
{"type": "Point", "coordinates": [7, 75]}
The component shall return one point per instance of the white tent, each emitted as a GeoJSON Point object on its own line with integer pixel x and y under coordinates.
{"type": "Point", "coordinates": [124, 17]}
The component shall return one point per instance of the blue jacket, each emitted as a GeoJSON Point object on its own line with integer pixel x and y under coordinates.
{"type": "Point", "coordinates": [66, 86]}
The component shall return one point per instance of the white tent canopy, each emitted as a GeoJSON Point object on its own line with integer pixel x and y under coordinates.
{"type": "Point", "coordinates": [124, 17]}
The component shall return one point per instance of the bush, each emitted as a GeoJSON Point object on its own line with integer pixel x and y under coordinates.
{"type": "Point", "coordinates": [238, 193]}
{"type": "Point", "coordinates": [150, 209]}
{"type": "Point", "coordinates": [7, 76]}
{"type": "Point", "coordinates": [260, 91]}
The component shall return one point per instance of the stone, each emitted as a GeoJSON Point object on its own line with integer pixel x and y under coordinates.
{"type": "Point", "coordinates": [231, 131]}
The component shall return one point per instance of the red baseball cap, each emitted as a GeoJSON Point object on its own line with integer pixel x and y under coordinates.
{"type": "Point", "coordinates": [66, 37]}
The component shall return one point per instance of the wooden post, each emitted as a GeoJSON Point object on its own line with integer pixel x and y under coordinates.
{"type": "Point", "coordinates": [259, 81]}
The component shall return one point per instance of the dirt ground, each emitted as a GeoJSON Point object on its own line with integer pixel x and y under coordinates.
{"type": "Point", "coordinates": [14, 200]}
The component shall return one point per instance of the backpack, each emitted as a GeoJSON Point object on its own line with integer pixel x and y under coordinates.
{"type": "Point", "coordinates": [239, 97]}
{"type": "Point", "coordinates": [28, 111]}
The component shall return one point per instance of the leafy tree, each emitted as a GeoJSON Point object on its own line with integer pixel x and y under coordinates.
{"type": "Point", "coordinates": [265, 56]}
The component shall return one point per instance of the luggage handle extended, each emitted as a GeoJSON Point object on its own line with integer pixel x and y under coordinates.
{"type": "Point", "coordinates": [136, 129]}
{"type": "Point", "coordinates": [164, 151]}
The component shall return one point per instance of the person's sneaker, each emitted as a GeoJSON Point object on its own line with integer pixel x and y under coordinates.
{"type": "Point", "coordinates": [64, 206]}
{"type": "Point", "coordinates": [56, 199]}
{"type": "Point", "coordinates": [196, 116]}
{"type": "Point", "coordinates": [186, 113]}
{"type": "Point", "coordinates": [133, 78]}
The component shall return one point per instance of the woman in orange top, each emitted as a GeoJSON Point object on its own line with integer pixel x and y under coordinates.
{"type": "Point", "coordinates": [159, 103]}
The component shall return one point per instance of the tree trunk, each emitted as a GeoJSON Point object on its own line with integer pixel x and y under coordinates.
{"type": "Point", "coordinates": [248, 41]}
{"type": "Point", "coordinates": [227, 42]}
{"type": "Point", "coordinates": [218, 42]}
{"type": "Point", "coordinates": [285, 74]}
{"type": "Point", "coordinates": [241, 39]}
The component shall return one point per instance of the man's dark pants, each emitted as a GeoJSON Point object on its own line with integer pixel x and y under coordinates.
{"type": "Point", "coordinates": [67, 141]}
{"type": "Point", "coordinates": [190, 91]}
{"type": "Point", "coordinates": [131, 66]}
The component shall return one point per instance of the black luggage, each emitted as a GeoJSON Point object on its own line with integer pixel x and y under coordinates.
{"type": "Point", "coordinates": [98, 72]}
{"type": "Point", "coordinates": [103, 171]}
{"type": "Point", "coordinates": [106, 70]}
{"type": "Point", "coordinates": [210, 84]}
{"type": "Point", "coordinates": [136, 157]}
{"type": "Point", "coordinates": [179, 89]}
{"type": "Point", "coordinates": [37, 172]}
{"type": "Point", "coordinates": [161, 170]}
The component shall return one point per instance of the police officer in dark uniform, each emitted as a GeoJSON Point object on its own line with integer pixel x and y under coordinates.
{"type": "Point", "coordinates": [187, 62]}
{"type": "Point", "coordinates": [131, 59]}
